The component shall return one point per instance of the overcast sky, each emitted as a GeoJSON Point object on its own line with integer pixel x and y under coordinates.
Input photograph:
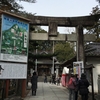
{"type": "Point", "coordinates": [60, 8]}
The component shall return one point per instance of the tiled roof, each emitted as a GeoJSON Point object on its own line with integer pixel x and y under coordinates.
{"type": "Point", "coordinates": [92, 49]}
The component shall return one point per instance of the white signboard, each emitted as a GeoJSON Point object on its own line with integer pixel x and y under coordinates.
{"type": "Point", "coordinates": [13, 71]}
{"type": "Point", "coordinates": [78, 68]}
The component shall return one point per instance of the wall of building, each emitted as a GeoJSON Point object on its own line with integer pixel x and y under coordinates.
{"type": "Point", "coordinates": [96, 71]}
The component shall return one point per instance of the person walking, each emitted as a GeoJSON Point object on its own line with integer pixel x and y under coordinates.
{"type": "Point", "coordinates": [50, 80]}
{"type": "Point", "coordinates": [34, 80]}
{"type": "Point", "coordinates": [58, 80]}
{"type": "Point", "coordinates": [83, 87]}
{"type": "Point", "coordinates": [53, 79]}
{"type": "Point", "coordinates": [71, 87]}
{"type": "Point", "coordinates": [45, 78]}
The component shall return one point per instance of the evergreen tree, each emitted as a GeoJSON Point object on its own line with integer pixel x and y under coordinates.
{"type": "Point", "coordinates": [12, 5]}
{"type": "Point", "coordinates": [64, 51]}
{"type": "Point", "coordinates": [96, 28]}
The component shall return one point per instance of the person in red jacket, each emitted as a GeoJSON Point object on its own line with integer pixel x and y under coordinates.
{"type": "Point", "coordinates": [71, 87]}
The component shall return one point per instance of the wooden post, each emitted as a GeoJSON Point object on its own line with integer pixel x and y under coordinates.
{"type": "Point", "coordinates": [90, 68]}
{"type": "Point", "coordinates": [91, 71]}
{"type": "Point", "coordinates": [23, 88]}
{"type": "Point", "coordinates": [7, 87]}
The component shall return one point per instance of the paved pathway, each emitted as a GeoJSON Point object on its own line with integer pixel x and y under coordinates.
{"type": "Point", "coordinates": [48, 91]}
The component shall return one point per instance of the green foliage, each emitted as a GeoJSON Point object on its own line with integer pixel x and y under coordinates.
{"type": "Point", "coordinates": [36, 56]}
{"type": "Point", "coordinates": [12, 5]}
{"type": "Point", "coordinates": [95, 10]}
{"type": "Point", "coordinates": [31, 1]}
{"type": "Point", "coordinates": [64, 51]}
{"type": "Point", "coordinates": [40, 45]}
{"type": "Point", "coordinates": [98, 1]}
{"type": "Point", "coordinates": [38, 29]}
{"type": "Point", "coordinates": [96, 28]}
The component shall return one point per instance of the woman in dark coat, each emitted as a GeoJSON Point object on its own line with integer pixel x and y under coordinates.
{"type": "Point", "coordinates": [34, 80]}
{"type": "Point", "coordinates": [83, 87]}
{"type": "Point", "coordinates": [76, 86]}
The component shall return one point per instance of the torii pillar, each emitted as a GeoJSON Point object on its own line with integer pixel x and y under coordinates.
{"type": "Point", "coordinates": [80, 44]}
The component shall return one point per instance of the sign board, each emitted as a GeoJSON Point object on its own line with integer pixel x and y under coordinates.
{"type": "Point", "coordinates": [13, 71]}
{"type": "Point", "coordinates": [14, 39]}
{"type": "Point", "coordinates": [78, 68]}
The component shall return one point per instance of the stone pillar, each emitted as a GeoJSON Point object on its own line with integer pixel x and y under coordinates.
{"type": "Point", "coordinates": [57, 72]}
{"type": "Point", "coordinates": [53, 29]}
{"type": "Point", "coordinates": [53, 59]}
{"type": "Point", "coordinates": [57, 68]}
{"type": "Point", "coordinates": [36, 62]}
{"type": "Point", "coordinates": [52, 70]}
{"type": "Point", "coordinates": [80, 44]}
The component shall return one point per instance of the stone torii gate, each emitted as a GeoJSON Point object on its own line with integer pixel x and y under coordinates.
{"type": "Point", "coordinates": [53, 22]}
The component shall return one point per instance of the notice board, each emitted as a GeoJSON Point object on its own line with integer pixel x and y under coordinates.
{"type": "Point", "coordinates": [13, 71]}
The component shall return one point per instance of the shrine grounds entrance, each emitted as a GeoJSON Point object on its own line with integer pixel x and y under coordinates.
{"type": "Point", "coordinates": [52, 22]}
